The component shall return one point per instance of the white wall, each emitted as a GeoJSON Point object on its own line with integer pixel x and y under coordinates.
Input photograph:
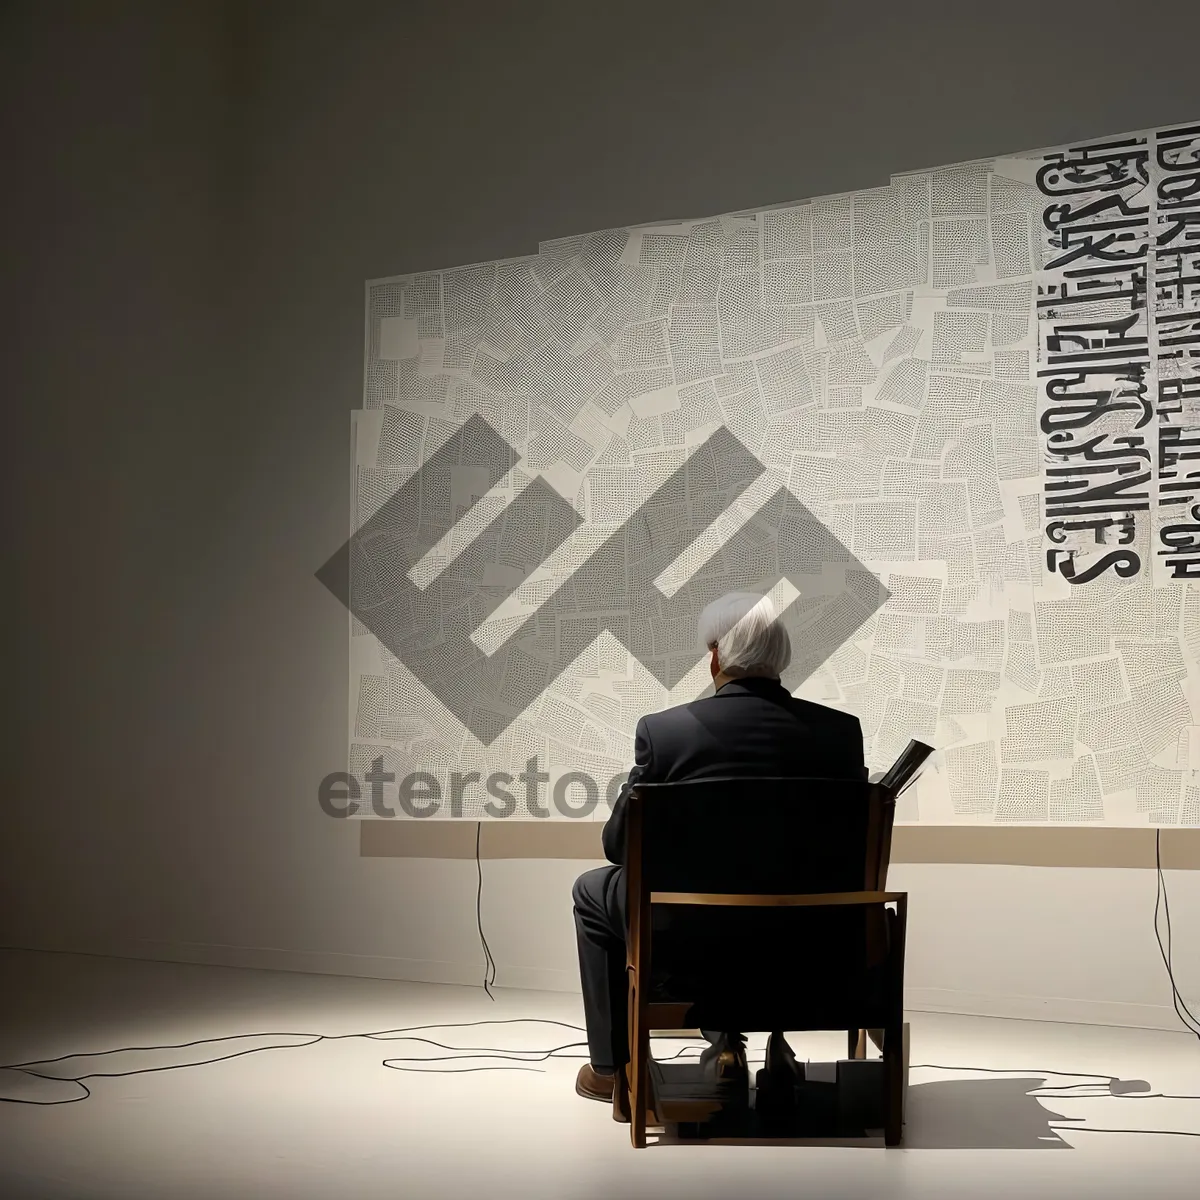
{"type": "Point", "coordinates": [195, 196]}
{"type": "Point", "coordinates": [1065, 944]}
{"type": "Point", "coordinates": [1052, 943]}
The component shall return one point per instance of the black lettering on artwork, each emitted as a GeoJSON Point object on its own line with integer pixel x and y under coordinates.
{"type": "Point", "coordinates": [1095, 353]}
{"type": "Point", "coordinates": [1176, 319]}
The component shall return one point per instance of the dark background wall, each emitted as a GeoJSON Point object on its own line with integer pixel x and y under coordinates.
{"type": "Point", "coordinates": [193, 197]}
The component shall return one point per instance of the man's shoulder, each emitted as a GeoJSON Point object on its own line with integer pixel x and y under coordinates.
{"type": "Point", "coordinates": [821, 713]}
{"type": "Point", "coordinates": [805, 710]}
{"type": "Point", "coordinates": [669, 716]}
{"type": "Point", "coordinates": [675, 717]}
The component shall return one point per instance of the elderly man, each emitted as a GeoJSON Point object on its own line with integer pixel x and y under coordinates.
{"type": "Point", "coordinates": [750, 726]}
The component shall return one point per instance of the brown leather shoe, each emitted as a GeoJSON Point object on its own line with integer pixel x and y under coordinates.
{"type": "Point", "coordinates": [591, 1085]}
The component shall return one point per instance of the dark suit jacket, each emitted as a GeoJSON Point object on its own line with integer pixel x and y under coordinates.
{"type": "Point", "coordinates": [750, 727]}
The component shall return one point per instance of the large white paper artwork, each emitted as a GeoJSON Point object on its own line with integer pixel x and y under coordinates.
{"type": "Point", "coordinates": [982, 380]}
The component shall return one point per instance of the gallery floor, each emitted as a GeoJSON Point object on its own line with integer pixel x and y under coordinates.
{"type": "Point", "coordinates": [1003, 1108]}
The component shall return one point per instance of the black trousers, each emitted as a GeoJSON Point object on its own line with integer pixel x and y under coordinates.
{"type": "Point", "coordinates": [600, 925]}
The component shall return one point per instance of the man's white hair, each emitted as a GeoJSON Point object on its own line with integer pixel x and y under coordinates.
{"type": "Point", "coordinates": [749, 637]}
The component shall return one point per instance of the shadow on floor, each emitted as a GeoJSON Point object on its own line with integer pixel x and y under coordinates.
{"type": "Point", "coordinates": [973, 1114]}
{"type": "Point", "coordinates": [982, 1114]}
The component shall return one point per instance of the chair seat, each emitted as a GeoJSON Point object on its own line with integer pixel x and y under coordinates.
{"type": "Point", "coordinates": [819, 986]}
{"type": "Point", "coordinates": [835, 1003]}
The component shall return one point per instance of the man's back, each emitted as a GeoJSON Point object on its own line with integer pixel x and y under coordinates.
{"type": "Point", "coordinates": [750, 727]}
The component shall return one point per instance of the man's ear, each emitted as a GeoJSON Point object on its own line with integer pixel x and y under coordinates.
{"type": "Point", "coordinates": [714, 663]}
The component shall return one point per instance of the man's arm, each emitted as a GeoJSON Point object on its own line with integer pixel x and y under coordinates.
{"type": "Point", "coordinates": [613, 837]}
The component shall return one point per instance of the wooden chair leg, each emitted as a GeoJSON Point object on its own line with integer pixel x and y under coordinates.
{"type": "Point", "coordinates": [893, 1075]}
{"type": "Point", "coordinates": [637, 1123]}
{"type": "Point", "coordinates": [620, 1109]}
{"type": "Point", "coordinates": [639, 1075]}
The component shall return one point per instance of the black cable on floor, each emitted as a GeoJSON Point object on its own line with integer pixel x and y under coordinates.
{"type": "Point", "coordinates": [1108, 1081]}
{"type": "Point", "coordinates": [1097, 1129]}
{"type": "Point", "coordinates": [403, 1033]}
{"type": "Point", "coordinates": [489, 963]}
{"type": "Point", "coordinates": [1185, 1014]}
{"type": "Point", "coordinates": [399, 1034]}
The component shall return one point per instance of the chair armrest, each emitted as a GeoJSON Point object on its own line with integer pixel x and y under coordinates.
{"type": "Point", "coordinates": [813, 900]}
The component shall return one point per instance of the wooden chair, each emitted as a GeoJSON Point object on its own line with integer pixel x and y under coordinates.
{"type": "Point", "coordinates": [721, 936]}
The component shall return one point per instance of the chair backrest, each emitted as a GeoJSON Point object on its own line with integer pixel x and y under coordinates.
{"type": "Point", "coordinates": [760, 836]}
{"type": "Point", "coordinates": [755, 837]}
